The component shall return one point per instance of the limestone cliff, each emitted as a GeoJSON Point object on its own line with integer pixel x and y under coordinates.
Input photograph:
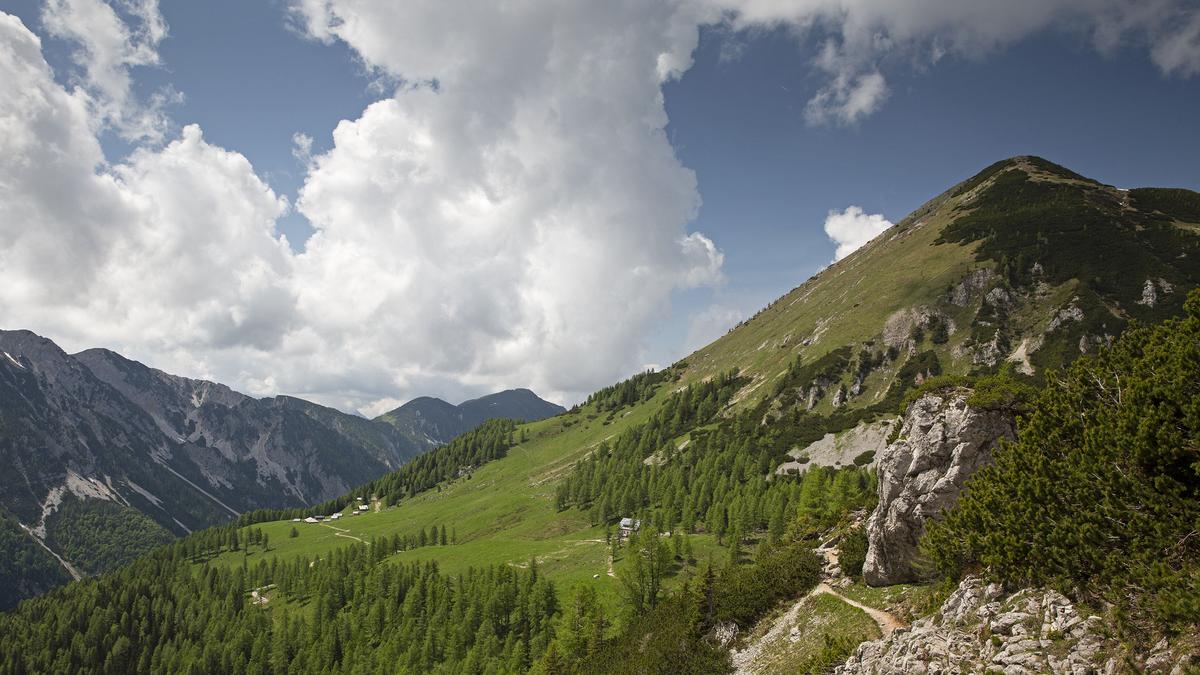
{"type": "Point", "coordinates": [942, 443]}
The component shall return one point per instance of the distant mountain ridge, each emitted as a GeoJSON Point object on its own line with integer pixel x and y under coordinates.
{"type": "Point", "coordinates": [174, 454]}
{"type": "Point", "coordinates": [427, 419]}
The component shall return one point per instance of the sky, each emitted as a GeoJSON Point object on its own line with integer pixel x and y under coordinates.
{"type": "Point", "coordinates": [361, 201]}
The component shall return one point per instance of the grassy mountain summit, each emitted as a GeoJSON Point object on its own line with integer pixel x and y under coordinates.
{"type": "Point", "coordinates": [1026, 262]}
{"type": "Point", "coordinates": [515, 531]}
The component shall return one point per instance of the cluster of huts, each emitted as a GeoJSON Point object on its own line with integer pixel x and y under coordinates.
{"type": "Point", "coordinates": [359, 508]}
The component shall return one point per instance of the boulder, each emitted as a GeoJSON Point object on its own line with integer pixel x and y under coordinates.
{"type": "Point", "coordinates": [942, 443]}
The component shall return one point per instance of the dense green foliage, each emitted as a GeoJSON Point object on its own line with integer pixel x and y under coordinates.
{"type": "Point", "coordinates": [667, 639]}
{"type": "Point", "coordinates": [637, 389]}
{"type": "Point", "coordinates": [742, 593]}
{"type": "Point", "coordinates": [101, 535]}
{"type": "Point", "coordinates": [674, 634]}
{"type": "Point", "coordinates": [821, 372]}
{"type": "Point", "coordinates": [852, 554]}
{"type": "Point", "coordinates": [26, 569]}
{"type": "Point", "coordinates": [1175, 203]}
{"type": "Point", "coordinates": [717, 479]}
{"type": "Point", "coordinates": [1100, 494]}
{"type": "Point", "coordinates": [162, 614]}
{"type": "Point", "coordinates": [642, 570]}
{"type": "Point", "coordinates": [1003, 390]}
{"type": "Point", "coordinates": [1073, 233]}
{"type": "Point", "coordinates": [490, 441]}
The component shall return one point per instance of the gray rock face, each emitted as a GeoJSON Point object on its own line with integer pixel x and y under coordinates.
{"type": "Point", "coordinates": [942, 443]}
{"type": "Point", "coordinates": [187, 453]}
{"type": "Point", "coordinates": [981, 629]}
{"type": "Point", "coordinates": [842, 448]}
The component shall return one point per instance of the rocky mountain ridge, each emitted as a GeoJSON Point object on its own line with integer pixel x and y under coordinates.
{"type": "Point", "coordinates": [186, 454]}
{"type": "Point", "coordinates": [982, 629]}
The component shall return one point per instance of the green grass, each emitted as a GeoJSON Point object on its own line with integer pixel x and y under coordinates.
{"type": "Point", "coordinates": [503, 514]}
{"type": "Point", "coordinates": [847, 303]}
{"type": "Point", "coordinates": [907, 601]}
{"type": "Point", "coordinates": [825, 631]}
{"type": "Point", "coordinates": [1075, 228]}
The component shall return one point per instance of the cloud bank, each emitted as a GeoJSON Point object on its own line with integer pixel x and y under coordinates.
{"type": "Point", "coordinates": [511, 214]}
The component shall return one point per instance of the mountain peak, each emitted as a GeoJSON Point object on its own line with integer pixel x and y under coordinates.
{"type": "Point", "coordinates": [429, 419]}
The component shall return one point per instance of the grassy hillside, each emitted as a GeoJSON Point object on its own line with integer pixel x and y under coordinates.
{"type": "Point", "coordinates": [1026, 262]}
{"type": "Point", "coordinates": [504, 512]}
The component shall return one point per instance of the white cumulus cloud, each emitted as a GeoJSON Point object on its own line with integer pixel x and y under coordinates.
{"type": "Point", "coordinates": [510, 213]}
{"type": "Point", "coordinates": [106, 47]}
{"type": "Point", "coordinates": [852, 228]}
{"type": "Point", "coordinates": [532, 211]}
{"type": "Point", "coordinates": [171, 254]}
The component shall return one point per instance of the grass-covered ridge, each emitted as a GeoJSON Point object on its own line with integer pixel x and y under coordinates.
{"type": "Point", "coordinates": [1076, 231]}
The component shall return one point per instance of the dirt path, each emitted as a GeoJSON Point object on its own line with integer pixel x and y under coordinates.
{"type": "Point", "coordinates": [887, 622]}
{"type": "Point", "coordinates": [339, 532]}
{"type": "Point", "coordinates": [744, 660]}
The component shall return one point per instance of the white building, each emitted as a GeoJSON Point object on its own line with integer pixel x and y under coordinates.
{"type": "Point", "coordinates": [628, 527]}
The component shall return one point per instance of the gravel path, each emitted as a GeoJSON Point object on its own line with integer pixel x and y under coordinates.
{"type": "Point", "coordinates": [744, 660]}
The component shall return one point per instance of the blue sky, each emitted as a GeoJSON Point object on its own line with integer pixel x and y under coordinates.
{"type": "Point", "coordinates": [768, 178]}
{"type": "Point", "coordinates": [252, 75]}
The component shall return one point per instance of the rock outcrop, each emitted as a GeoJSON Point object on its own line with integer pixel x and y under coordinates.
{"type": "Point", "coordinates": [842, 448]}
{"type": "Point", "coordinates": [942, 443]}
{"type": "Point", "coordinates": [981, 629]}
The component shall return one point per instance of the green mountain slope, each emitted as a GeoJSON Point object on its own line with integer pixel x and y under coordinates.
{"type": "Point", "coordinates": [1025, 263]}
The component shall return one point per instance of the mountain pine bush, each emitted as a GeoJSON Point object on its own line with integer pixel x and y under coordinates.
{"type": "Point", "coordinates": [1100, 493]}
